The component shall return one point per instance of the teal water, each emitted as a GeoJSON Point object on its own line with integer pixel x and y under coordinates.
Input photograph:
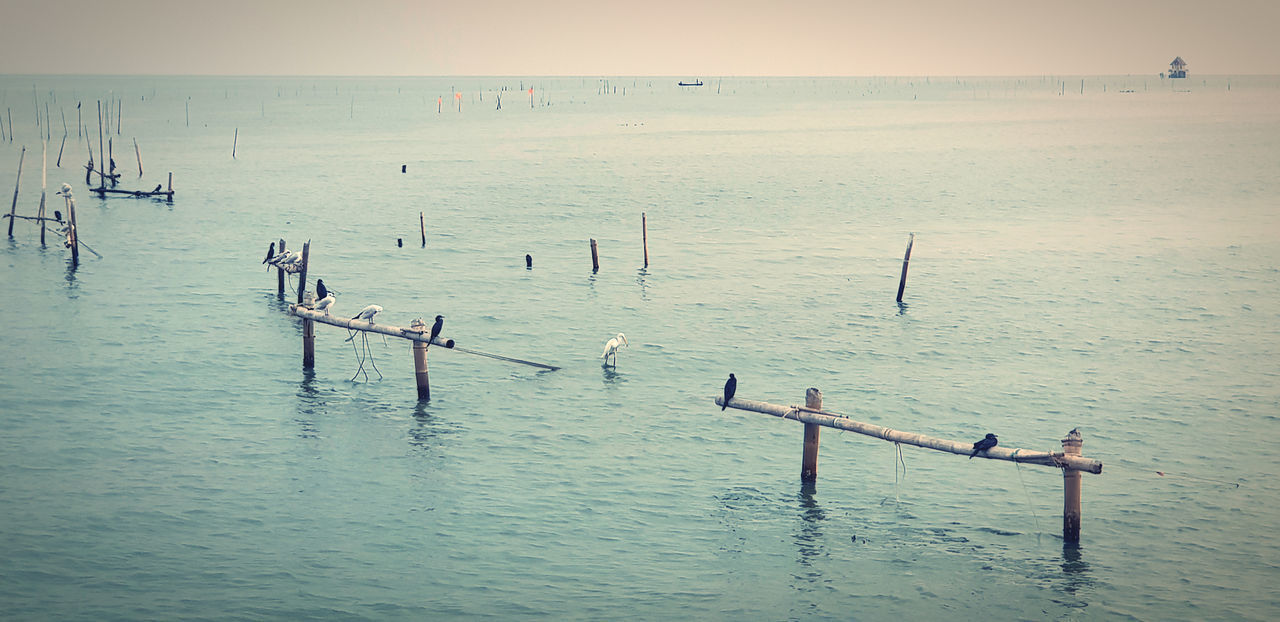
{"type": "Point", "coordinates": [1104, 261]}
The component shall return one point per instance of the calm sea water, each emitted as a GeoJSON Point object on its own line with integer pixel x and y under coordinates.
{"type": "Point", "coordinates": [1104, 260]}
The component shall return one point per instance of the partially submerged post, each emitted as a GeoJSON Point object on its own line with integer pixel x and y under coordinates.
{"type": "Point", "coordinates": [902, 282]}
{"type": "Point", "coordinates": [17, 182]}
{"type": "Point", "coordinates": [280, 274]}
{"type": "Point", "coordinates": [422, 225]}
{"type": "Point", "coordinates": [595, 258]}
{"type": "Point", "coordinates": [138, 152]}
{"type": "Point", "coordinates": [809, 464]}
{"type": "Point", "coordinates": [309, 337]}
{"type": "Point", "coordinates": [302, 274]}
{"type": "Point", "coordinates": [1071, 486]}
{"type": "Point", "coordinates": [420, 374]}
{"type": "Point", "coordinates": [644, 234]}
{"type": "Point", "coordinates": [44, 186]}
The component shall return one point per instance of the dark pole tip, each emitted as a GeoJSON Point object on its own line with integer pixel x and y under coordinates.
{"type": "Point", "coordinates": [400, 242]}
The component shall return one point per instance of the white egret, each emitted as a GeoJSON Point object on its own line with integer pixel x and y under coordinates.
{"type": "Point", "coordinates": [611, 348]}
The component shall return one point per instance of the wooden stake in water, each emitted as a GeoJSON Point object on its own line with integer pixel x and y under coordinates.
{"type": "Point", "coordinates": [44, 183]}
{"type": "Point", "coordinates": [64, 144]}
{"type": "Point", "coordinates": [309, 337]}
{"type": "Point", "coordinates": [280, 274]}
{"type": "Point", "coordinates": [595, 258]}
{"type": "Point", "coordinates": [73, 235]}
{"type": "Point", "coordinates": [17, 182]}
{"type": "Point", "coordinates": [644, 234]}
{"type": "Point", "coordinates": [1071, 486]}
{"type": "Point", "coordinates": [422, 225]}
{"type": "Point", "coordinates": [234, 141]}
{"type": "Point", "coordinates": [902, 282]}
{"type": "Point", "coordinates": [102, 149]}
{"type": "Point", "coordinates": [809, 463]}
{"type": "Point", "coordinates": [302, 274]}
{"type": "Point", "coordinates": [138, 152]}
{"type": "Point", "coordinates": [420, 370]}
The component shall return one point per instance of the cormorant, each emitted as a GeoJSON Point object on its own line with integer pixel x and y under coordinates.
{"type": "Point", "coordinates": [730, 387]}
{"type": "Point", "coordinates": [435, 329]}
{"type": "Point", "coordinates": [983, 445]}
{"type": "Point", "coordinates": [321, 290]}
{"type": "Point", "coordinates": [271, 251]}
{"type": "Point", "coordinates": [57, 215]}
{"type": "Point", "coordinates": [157, 188]}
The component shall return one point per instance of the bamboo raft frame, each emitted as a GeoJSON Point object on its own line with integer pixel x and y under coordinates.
{"type": "Point", "coordinates": [167, 194]}
{"type": "Point", "coordinates": [814, 418]}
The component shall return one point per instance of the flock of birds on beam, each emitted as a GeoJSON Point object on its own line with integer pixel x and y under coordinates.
{"type": "Point", "coordinates": [285, 260]}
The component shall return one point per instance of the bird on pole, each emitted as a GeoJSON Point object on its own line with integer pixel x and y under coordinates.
{"type": "Point", "coordinates": [983, 445]}
{"type": "Point", "coordinates": [730, 387]}
{"type": "Point", "coordinates": [435, 329]}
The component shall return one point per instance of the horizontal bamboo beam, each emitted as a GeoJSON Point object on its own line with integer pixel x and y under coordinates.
{"type": "Point", "coordinates": [134, 193]}
{"type": "Point", "coordinates": [385, 329]}
{"type": "Point", "coordinates": [841, 422]}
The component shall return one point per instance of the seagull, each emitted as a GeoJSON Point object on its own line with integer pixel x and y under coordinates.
{"type": "Point", "coordinates": [276, 260]}
{"type": "Point", "coordinates": [367, 313]}
{"type": "Point", "coordinates": [321, 290]}
{"type": "Point", "coordinates": [271, 252]}
{"type": "Point", "coordinates": [611, 348]}
{"type": "Point", "coordinates": [983, 445]}
{"type": "Point", "coordinates": [326, 303]}
{"type": "Point", "coordinates": [290, 259]}
{"type": "Point", "coordinates": [435, 329]}
{"type": "Point", "coordinates": [730, 387]}
{"type": "Point", "coordinates": [66, 190]}
{"type": "Point", "coordinates": [157, 188]}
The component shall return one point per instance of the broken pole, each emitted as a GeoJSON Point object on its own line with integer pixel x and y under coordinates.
{"type": "Point", "coordinates": [64, 145]}
{"type": "Point", "coordinates": [137, 152]}
{"type": "Point", "coordinates": [17, 182]}
{"type": "Point", "coordinates": [302, 274]}
{"type": "Point", "coordinates": [809, 464]}
{"type": "Point", "coordinates": [595, 257]}
{"type": "Point", "coordinates": [902, 282]}
{"type": "Point", "coordinates": [234, 141]}
{"type": "Point", "coordinates": [73, 236]}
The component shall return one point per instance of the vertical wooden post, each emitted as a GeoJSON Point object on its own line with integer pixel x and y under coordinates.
{"type": "Point", "coordinates": [309, 336]}
{"type": "Point", "coordinates": [644, 234]}
{"type": "Point", "coordinates": [234, 142]}
{"type": "Point", "coordinates": [280, 274]}
{"type": "Point", "coordinates": [170, 184]}
{"type": "Point", "coordinates": [102, 150]}
{"type": "Point", "coordinates": [44, 186]}
{"type": "Point", "coordinates": [302, 274]}
{"type": "Point", "coordinates": [138, 152]}
{"type": "Point", "coordinates": [422, 225]}
{"type": "Point", "coordinates": [1071, 485]}
{"type": "Point", "coordinates": [420, 362]}
{"type": "Point", "coordinates": [902, 283]}
{"type": "Point", "coordinates": [14, 208]}
{"type": "Point", "coordinates": [809, 466]}
{"type": "Point", "coordinates": [73, 236]}
{"type": "Point", "coordinates": [595, 257]}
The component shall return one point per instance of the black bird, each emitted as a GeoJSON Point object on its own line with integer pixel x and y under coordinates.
{"type": "Point", "coordinates": [983, 445]}
{"type": "Point", "coordinates": [57, 215]}
{"type": "Point", "coordinates": [321, 290]}
{"type": "Point", "coordinates": [528, 260]}
{"type": "Point", "coordinates": [436, 328]}
{"type": "Point", "coordinates": [157, 188]}
{"type": "Point", "coordinates": [271, 252]}
{"type": "Point", "coordinates": [730, 387]}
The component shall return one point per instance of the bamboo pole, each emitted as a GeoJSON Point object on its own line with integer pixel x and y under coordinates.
{"type": "Point", "coordinates": [101, 148]}
{"type": "Point", "coordinates": [1071, 486]}
{"type": "Point", "coordinates": [44, 185]}
{"type": "Point", "coordinates": [902, 282]}
{"type": "Point", "coordinates": [809, 464]}
{"type": "Point", "coordinates": [302, 274]}
{"type": "Point", "coordinates": [422, 225]}
{"type": "Point", "coordinates": [280, 274]}
{"type": "Point", "coordinates": [170, 184]}
{"type": "Point", "coordinates": [420, 371]}
{"type": "Point", "coordinates": [73, 236]}
{"type": "Point", "coordinates": [17, 182]}
{"type": "Point", "coordinates": [138, 152]}
{"type": "Point", "coordinates": [235, 141]}
{"type": "Point", "coordinates": [88, 168]}
{"type": "Point", "coordinates": [64, 145]}
{"type": "Point", "coordinates": [835, 420]}
{"type": "Point", "coordinates": [644, 234]}
{"type": "Point", "coordinates": [309, 337]}
{"type": "Point", "coordinates": [595, 258]}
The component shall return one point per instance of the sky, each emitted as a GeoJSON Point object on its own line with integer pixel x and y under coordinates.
{"type": "Point", "coordinates": [638, 37]}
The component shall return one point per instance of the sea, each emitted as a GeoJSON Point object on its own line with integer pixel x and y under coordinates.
{"type": "Point", "coordinates": [1091, 253]}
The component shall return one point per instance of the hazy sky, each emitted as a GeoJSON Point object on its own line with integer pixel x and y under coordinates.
{"type": "Point", "coordinates": [640, 37]}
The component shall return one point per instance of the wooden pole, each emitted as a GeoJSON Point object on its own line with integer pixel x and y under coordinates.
{"type": "Point", "coordinates": [309, 337]}
{"type": "Point", "coordinates": [110, 163]}
{"type": "Point", "coordinates": [138, 152]}
{"type": "Point", "coordinates": [170, 184]}
{"type": "Point", "coordinates": [902, 282]}
{"type": "Point", "coordinates": [1071, 486]}
{"type": "Point", "coordinates": [64, 146]}
{"type": "Point", "coordinates": [841, 422]}
{"type": "Point", "coordinates": [809, 466]}
{"type": "Point", "coordinates": [420, 362]}
{"type": "Point", "coordinates": [44, 185]}
{"type": "Point", "coordinates": [234, 142]}
{"type": "Point", "coordinates": [88, 168]}
{"type": "Point", "coordinates": [73, 236]}
{"type": "Point", "coordinates": [595, 257]}
{"type": "Point", "coordinates": [422, 224]}
{"type": "Point", "coordinates": [644, 234]}
{"type": "Point", "coordinates": [302, 274]}
{"type": "Point", "coordinates": [280, 274]}
{"type": "Point", "coordinates": [17, 182]}
{"type": "Point", "coordinates": [102, 150]}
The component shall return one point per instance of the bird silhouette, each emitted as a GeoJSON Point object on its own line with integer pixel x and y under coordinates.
{"type": "Point", "coordinates": [730, 387]}
{"type": "Point", "coordinates": [157, 188]}
{"type": "Point", "coordinates": [435, 329]}
{"type": "Point", "coordinates": [983, 445]}
{"type": "Point", "coordinates": [271, 253]}
{"type": "Point", "coordinates": [321, 290]}
{"type": "Point", "coordinates": [57, 215]}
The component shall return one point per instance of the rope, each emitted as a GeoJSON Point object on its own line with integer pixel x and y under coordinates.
{"type": "Point", "coordinates": [1026, 492]}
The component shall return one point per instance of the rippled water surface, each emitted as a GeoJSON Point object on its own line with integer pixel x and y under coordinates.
{"type": "Point", "coordinates": [1105, 260]}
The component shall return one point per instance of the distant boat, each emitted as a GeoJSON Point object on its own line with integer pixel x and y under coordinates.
{"type": "Point", "coordinates": [698, 83]}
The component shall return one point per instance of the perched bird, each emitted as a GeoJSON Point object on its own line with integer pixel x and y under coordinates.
{"type": "Point", "coordinates": [276, 260]}
{"type": "Point", "coordinates": [436, 328]}
{"type": "Point", "coordinates": [611, 348]}
{"type": "Point", "coordinates": [157, 188]}
{"type": "Point", "coordinates": [289, 259]}
{"type": "Point", "coordinates": [730, 387]}
{"type": "Point", "coordinates": [367, 313]}
{"type": "Point", "coordinates": [57, 215]}
{"type": "Point", "coordinates": [326, 303]}
{"type": "Point", "coordinates": [65, 191]}
{"type": "Point", "coordinates": [271, 252]}
{"type": "Point", "coordinates": [983, 445]}
{"type": "Point", "coordinates": [321, 290]}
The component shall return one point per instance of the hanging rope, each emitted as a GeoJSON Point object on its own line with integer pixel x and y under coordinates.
{"type": "Point", "coordinates": [1026, 492]}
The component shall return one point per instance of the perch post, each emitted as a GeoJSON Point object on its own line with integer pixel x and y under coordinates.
{"type": "Point", "coordinates": [644, 234]}
{"type": "Point", "coordinates": [17, 182]}
{"type": "Point", "coordinates": [420, 362]}
{"type": "Point", "coordinates": [280, 275]}
{"type": "Point", "coordinates": [1071, 485]}
{"type": "Point", "coordinates": [138, 152]}
{"type": "Point", "coordinates": [595, 257]}
{"type": "Point", "coordinates": [309, 336]}
{"type": "Point", "coordinates": [422, 225]}
{"type": "Point", "coordinates": [902, 282]}
{"type": "Point", "coordinates": [302, 274]}
{"type": "Point", "coordinates": [809, 466]}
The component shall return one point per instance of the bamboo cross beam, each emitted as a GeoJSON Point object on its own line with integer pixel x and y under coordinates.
{"type": "Point", "coordinates": [133, 193]}
{"type": "Point", "coordinates": [841, 422]}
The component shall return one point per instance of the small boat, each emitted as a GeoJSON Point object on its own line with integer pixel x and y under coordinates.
{"type": "Point", "coordinates": [698, 83]}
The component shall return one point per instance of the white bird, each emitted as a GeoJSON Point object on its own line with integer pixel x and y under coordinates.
{"type": "Point", "coordinates": [611, 348]}
{"type": "Point", "coordinates": [291, 258]}
{"type": "Point", "coordinates": [326, 303]}
{"type": "Point", "coordinates": [66, 190]}
{"type": "Point", "coordinates": [283, 255]}
{"type": "Point", "coordinates": [367, 313]}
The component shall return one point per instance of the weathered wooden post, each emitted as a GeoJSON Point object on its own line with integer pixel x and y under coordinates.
{"type": "Point", "coordinates": [73, 236]}
{"type": "Point", "coordinates": [809, 466]}
{"type": "Point", "coordinates": [420, 361]}
{"type": "Point", "coordinates": [595, 258]}
{"type": "Point", "coordinates": [644, 234]}
{"type": "Point", "coordinates": [902, 283]}
{"type": "Point", "coordinates": [1071, 485]}
{"type": "Point", "coordinates": [422, 226]}
{"type": "Point", "coordinates": [302, 274]}
{"type": "Point", "coordinates": [280, 274]}
{"type": "Point", "coordinates": [137, 152]}
{"type": "Point", "coordinates": [309, 335]}
{"type": "Point", "coordinates": [18, 182]}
